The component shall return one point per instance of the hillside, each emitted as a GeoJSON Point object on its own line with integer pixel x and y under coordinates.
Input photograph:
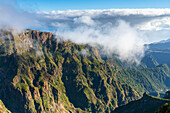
{"type": "Point", "coordinates": [47, 74]}
{"type": "Point", "coordinates": [44, 74]}
{"type": "Point", "coordinates": [146, 80]}
{"type": "Point", "coordinates": [160, 51]}
{"type": "Point", "coordinates": [147, 104]}
{"type": "Point", "coordinates": [149, 76]}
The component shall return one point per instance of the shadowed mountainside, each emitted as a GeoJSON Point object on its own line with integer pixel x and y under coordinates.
{"type": "Point", "coordinates": [147, 104]}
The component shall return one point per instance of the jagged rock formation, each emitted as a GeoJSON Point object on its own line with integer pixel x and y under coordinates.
{"type": "Point", "coordinates": [147, 104]}
{"type": "Point", "coordinates": [42, 74]}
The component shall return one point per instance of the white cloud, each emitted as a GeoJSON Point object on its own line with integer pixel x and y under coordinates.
{"type": "Point", "coordinates": [156, 24]}
{"type": "Point", "coordinates": [148, 21]}
{"type": "Point", "coordinates": [111, 12]}
{"type": "Point", "coordinates": [122, 39]}
{"type": "Point", "coordinates": [59, 25]}
{"type": "Point", "coordinates": [126, 38]}
{"type": "Point", "coordinates": [84, 20]}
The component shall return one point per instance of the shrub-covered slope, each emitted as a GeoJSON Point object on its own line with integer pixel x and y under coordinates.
{"type": "Point", "coordinates": [149, 76]}
{"type": "Point", "coordinates": [147, 79]}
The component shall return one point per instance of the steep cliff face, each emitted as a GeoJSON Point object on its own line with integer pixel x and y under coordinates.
{"type": "Point", "coordinates": [42, 74]}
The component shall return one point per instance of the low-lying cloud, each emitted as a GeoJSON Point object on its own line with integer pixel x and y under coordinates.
{"type": "Point", "coordinates": [121, 39]}
{"type": "Point", "coordinates": [84, 20]}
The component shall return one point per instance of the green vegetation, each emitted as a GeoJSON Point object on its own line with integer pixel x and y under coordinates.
{"type": "Point", "coordinates": [44, 74]}
{"type": "Point", "coordinates": [149, 76]}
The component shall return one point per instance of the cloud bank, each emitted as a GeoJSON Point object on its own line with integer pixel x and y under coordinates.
{"type": "Point", "coordinates": [121, 39]}
{"type": "Point", "coordinates": [148, 21]}
{"type": "Point", "coordinates": [120, 31]}
{"type": "Point", "coordinates": [84, 20]}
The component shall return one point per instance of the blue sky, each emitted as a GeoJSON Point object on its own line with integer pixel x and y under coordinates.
{"type": "Point", "coordinates": [49, 5]}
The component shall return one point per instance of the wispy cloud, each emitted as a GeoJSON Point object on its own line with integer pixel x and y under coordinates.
{"type": "Point", "coordinates": [121, 39]}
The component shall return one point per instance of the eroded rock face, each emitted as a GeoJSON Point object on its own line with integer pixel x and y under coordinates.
{"type": "Point", "coordinates": [42, 74]}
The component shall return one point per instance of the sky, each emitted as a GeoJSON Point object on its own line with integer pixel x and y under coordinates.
{"type": "Point", "coordinates": [49, 5]}
{"type": "Point", "coordinates": [119, 26]}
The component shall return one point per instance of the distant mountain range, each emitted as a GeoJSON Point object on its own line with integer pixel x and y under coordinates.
{"type": "Point", "coordinates": [160, 51]}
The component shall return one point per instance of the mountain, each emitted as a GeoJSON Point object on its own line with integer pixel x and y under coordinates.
{"type": "Point", "coordinates": [147, 104]}
{"type": "Point", "coordinates": [163, 41]}
{"type": "Point", "coordinates": [40, 73]}
{"type": "Point", "coordinates": [146, 80]}
{"type": "Point", "coordinates": [149, 76]}
{"type": "Point", "coordinates": [47, 74]}
{"type": "Point", "coordinates": [160, 51]}
{"type": "Point", "coordinates": [149, 61]}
